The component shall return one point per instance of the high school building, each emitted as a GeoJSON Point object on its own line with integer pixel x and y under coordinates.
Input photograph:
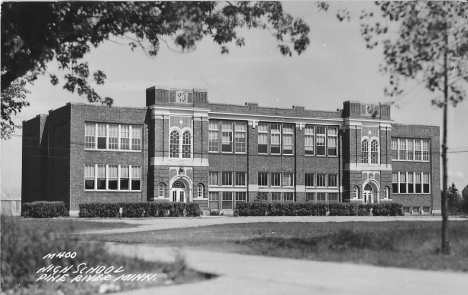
{"type": "Point", "coordinates": [181, 148]}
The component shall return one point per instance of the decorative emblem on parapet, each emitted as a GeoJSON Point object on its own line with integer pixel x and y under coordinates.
{"type": "Point", "coordinates": [370, 109]}
{"type": "Point", "coordinates": [181, 96]}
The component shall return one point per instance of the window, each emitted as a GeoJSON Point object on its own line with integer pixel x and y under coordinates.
{"type": "Point", "coordinates": [365, 151]}
{"type": "Point", "coordinates": [240, 178]}
{"type": "Point", "coordinates": [402, 183]}
{"type": "Point", "coordinates": [113, 177]}
{"type": "Point", "coordinates": [418, 183]}
{"type": "Point", "coordinates": [288, 133]}
{"type": "Point", "coordinates": [102, 136]}
{"type": "Point", "coordinates": [275, 179]}
{"type": "Point", "coordinates": [321, 180]}
{"type": "Point", "coordinates": [309, 179]}
{"type": "Point", "coordinates": [356, 192]}
{"type": "Point", "coordinates": [136, 138]}
{"type": "Point", "coordinates": [101, 177]}
{"type": "Point", "coordinates": [425, 150]}
{"type": "Point", "coordinates": [161, 190]}
{"type": "Point", "coordinates": [402, 151]}
{"type": "Point", "coordinates": [135, 178]}
{"type": "Point", "coordinates": [395, 182]}
{"type": "Point", "coordinates": [226, 178]}
{"type": "Point", "coordinates": [406, 209]}
{"type": "Point", "coordinates": [320, 140]}
{"type": "Point", "coordinates": [332, 197]}
{"type": "Point", "coordinates": [415, 210]}
{"type": "Point", "coordinates": [410, 150]}
{"type": "Point", "coordinates": [213, 137]}
{"type": "Point", "coordinates": [387, 193]}
{"type": "Point", "coordinates": [410, 183]}
{"type": "Point", "coordinates": [394, 148]}
{"type": "Point", "coordinates": [425, 183]}
{"type": "Point", "coordinates": [227, 200]}
{"type": "Point", "coordinates": [201, 191]}
{"type": "Point", "coordinates": [186, 145]}
{"type": "Point", "coordinates": [275, 139]}
{"type": "Point", "coordinates": [332, 180]}
{"type": "Point", "coordinates": [310, 197]}
{"type": "Point", "coordinates": [309, 140]}
{"type": "Point", "coordinates": [288, 179]}
{"type": "Point", "coordinates": [276, 197]}
{"type": "Point", "coordinates": [174, 144]}
{"type": "Point", "coordinates": [332, 141]}
{"type": "Point", "coordinates": [213, 178]}
{"type": "Point", "coordinates": [417, 150]}
{"type": "Point", "coordinates": [124, 137]}
{"type": "Point", "coordinates": [89, 177]}
{"type": "Point", "coordinates": [263, 179]}
{"type": "Point", "coordinates": [214, 200]}
{"type": "Point", "coordinates": [321, 197]}
{"type": "Point", "coordinates": [426, 210]}
{"type": "Point", "coordinates": [90, 136]}
{"type": "Point", "coordinates": [113, 137]}
{"type": "Point", "coordinates": [374, 152]}
{"type": "Point", "coordinates": [262, 138]}
{"type": "Point", "coordinates": [288, 197]}
{"type": "Point", "coordinates": [241, 196]}
{"type": "Point", "coordinates": [226, 137]}
{"type": "Point", "coordinates": [124, 178]}
{"type": "Point", "coordinates": [240, 137]}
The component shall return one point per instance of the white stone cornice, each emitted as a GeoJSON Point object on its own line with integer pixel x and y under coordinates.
{"type": "Point", "coordinates": [195, 162]}
{"type": "Point", "coordinates": [367, 167]}
{"type": "Point", "coordinates": [275, 118]}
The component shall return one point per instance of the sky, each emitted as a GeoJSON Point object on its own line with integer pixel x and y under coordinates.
{"type": "Point", "coordinates": [336, 67]}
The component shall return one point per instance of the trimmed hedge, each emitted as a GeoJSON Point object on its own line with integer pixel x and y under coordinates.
{"type": "Point", "coordinates": [44, 209]}
{"type": "Point", "coordinates": [316, 209]}
{"type": "Point", "coordinates": [280, 209]}
{"type": "Point", "coordinates": [150, 209]}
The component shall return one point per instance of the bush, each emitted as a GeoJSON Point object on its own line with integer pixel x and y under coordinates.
{"type": "Point", "coordinates": [280, 209]}
{"type": "Point", "coordinates": [44, 209]}
{"type": "Point", "coordinates": [140, 209]}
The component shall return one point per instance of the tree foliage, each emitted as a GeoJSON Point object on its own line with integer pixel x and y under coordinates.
{"type": "Point", "coordinates": [454, 199]}
{"type": "Point", "coordinates": [35, 33]}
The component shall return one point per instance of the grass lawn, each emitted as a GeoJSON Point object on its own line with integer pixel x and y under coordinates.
{"type": "Point", "coordinates": [396, 243]}
{"type": "Point", "coordinates": [63, 225]}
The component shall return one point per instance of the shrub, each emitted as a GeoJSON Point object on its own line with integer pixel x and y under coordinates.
{"type": "Point", "coordinates": [280, 209]}
{"type": "Point", "coordinates": [44, 209]}
{"type": "Point", "coordinates": [140, 209]}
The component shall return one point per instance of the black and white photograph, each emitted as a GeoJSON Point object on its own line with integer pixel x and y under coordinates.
{"type": "Point", "coordinates": [234, 147]}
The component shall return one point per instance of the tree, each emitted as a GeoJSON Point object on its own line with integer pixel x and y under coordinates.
{"type": "Point", "coordinates": [464, 205]}
{"type": "Point", "coordinates": [429, 46]}
{"type": "Point", "coordinates": [454, 199]}
{"type": "Point", "coordinates": [34, 34]}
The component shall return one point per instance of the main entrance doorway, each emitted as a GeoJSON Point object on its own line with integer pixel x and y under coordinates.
{"type": "Point", "coordinates": [368, 194]}
{"type": "Point", "coordinates": [179, 193]}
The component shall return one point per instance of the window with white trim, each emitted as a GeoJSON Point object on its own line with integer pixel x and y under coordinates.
{"type": "Point", "coordinates": [406, 182]}
{"type": "Point", "coordinates": [240, 137]}
{"type": "Point", "coordinates": [394, 148]}
{"type": "Point", "coordinates": [402, 182]}
{"type": "Point", "coordinates": [407, 149]}
{"type": "Point", "coordinates": [321, 140]}
{"type": "Point", "coordinates": [101, 177]}
{"type": "Point", "coordinates": [113, 137]}
{"type": "Point", "coordinates": [213, 136]}
{"type": "Point", "coordinates": [201, 191]}
{"type": "Point", "coordinates": [365, 151]}
{"type": "Point", "coordinates": [262, 179]}
{"type": "Point", "coordinates": [226, 178]}
{"type": "Point", "coordinates": [321, 197]}
{"type": "Point", "coordinates": [402, 150]}
{"type": "Point", "coordinates": [226, 137]}
{"type": "Point", "coordinates": [240, 178]}
{"type": "Point", "coordinates": [321, 180]}
{"type": "Point", "coordinates": [310, 197]}
{"type": "Point", "coordinates": [161, 190]}
{"type": "Point", "coordinates": [395, 182]}
{"type": "Point", "coordinates": [288, 179]}
{"type": "Point", "coordinates": [410, 182]}
{"type": "Point", "coordinates": [332, 141]}
{"type": "Point", "coordinates": [387, 193]}
{"type": "Point", "coordinates": [180, 144]}
{"type": "Point", "coordinates": [276, 197]}
{"type": "Point", "coordinates": [275, 139]}
{"type": "Point", "coordinates": [410, 150]}
{"type": "Point", "coordinates": [309, 142]}
{"type": "Point", "coordinates": [417, 150]}
{"type": "Point", "coordinates": [89, 177]}
{"type": "Point", "coordinates": [186, 145]}
{"type": "Point", "coordinates": [425, 150]}
{"type": "Point", "coordinates": [213, 178]}
{"type": "Point", "coordinates": [135, 178]}
{"type": "Point", "coordinates": [102, 136]}
{"type": "Point", "coordinates": [275, 179]}
{"type": "Point", "coordinates": [125, 137]}
{"type": "Point", "coordinates": [288, 134]}
{"type": "Point", "coordinates": [309, 179]}
{"type": "Point", "coordinates": [374, 152]}
{"type": "Point", "coordinates": [426, 186]}
{"type": "Point", "coordinates": [124, 178]}
{"type": "Point", "coordinates": [241, 197]}
{"type": "Point", "coordinates": [90, 136]}
{"type": "Point", "coordinates": [174, 144]}
{"type": "Point", "coordinates": [356, 195]}
{"type": "Point", "coordinates": [418, 182]}
{"type": "Point", "coordinates": [332, 197]}
{"type": "Point", "coordinates": [112, 178]}
{"type": "Point", "coordinates": [332, 180]}
{"type": "Point", "coordinates": [136, 138]}
{"type": "Point", "coordinates": [288, 197]}
{"type": "Point", "coordinates": [262, 138]}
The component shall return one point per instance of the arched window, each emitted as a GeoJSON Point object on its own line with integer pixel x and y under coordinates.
{"type": "Point", "coordinates": [174, 144]}
{"type": "Point", "coordinates": [356, 192]}
{"type": "Point", "coordinates": [178, 184]}
{"type": "Point", "coordinates": [365, 151]}
{"type": "Point", "coordinates": [387, 193]}
{"type": "Point", "coordinates": [201, 191]}
{"type": "Point", "coordinates": [186, 144]}
{"type": "Point", "coordinates": [161, 190]}
{"type": "Point", "coordinates": [374, 152]}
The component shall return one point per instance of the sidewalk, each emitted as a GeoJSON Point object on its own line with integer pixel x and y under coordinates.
{"type": "Point", "coordinates": [246, 274]}
{"type": "Point", "coordinates": [149, 224]}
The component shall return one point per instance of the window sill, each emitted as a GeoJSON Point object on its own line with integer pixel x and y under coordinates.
{"type": "Point", "coordinates": [108, 150]}
{"type": "Point", "coordinates": [111, 191]}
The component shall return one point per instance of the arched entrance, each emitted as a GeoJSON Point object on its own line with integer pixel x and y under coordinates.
{"type": "Point", "coordinates": [179, 192]}
{"type": "Point", "coordinates": [370, 193]}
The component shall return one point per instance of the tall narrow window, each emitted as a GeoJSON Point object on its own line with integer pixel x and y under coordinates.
{"type": "Point", "coordinates": [186, 145]}
{"type": "Point", "coordinates": [321, 180]}
{"type": "Point", "coordinates": [136, 178]}
{"type": "Point", "coordinates": [365, 151]}
{"type": "Point", "coordinates": [161, 190]}
{"type": "Point", "coordinates": [227, 200]}
{"type": "Point", "coordinates": [275, 139]}
{"type": "Point", "coordinates": [357, 195]}
{"type": "Point", "coordinates": [124, 178]}
{"type": "Point", "coordinates": [395, 182]}
{"type": "Point", "coordinates": [374, 152]}
{"type": "Point", "coordinates": [90, 136]}
{"type": "Point", "coordinates": [332, 180]}
{"type": "Point", "coordinates": [310, 197]}
{"type": "Point", "coordinates": [174, 145]}
{"type": "Point", "coordinates": [417, 150]}
{"type": "Point", "coordinates": [113, 177]}
{"type": "Point", "coordinates": [418, 182]}
{"type": "Point", "coordinates": [410, 182]}
{"type": "Point", "coordinates": [309, 140]}
{"type": "Point", "coordinates": [309, 179]}
{"type": "Point", "coordinates": [402, 152]}
{"type": "Point", "coordinates": [101, 177]}
{"type": "Point", "coordinates": [240, 137]}
{"type": "Point", "coordinates": [226, 137]}
{"type": "Point", "coordinates": [275, 179]}
{"type": "Point", "coordinates": [402, 183]}
{"type": "Point", "coordinates": [136, 138]}
{"type": "Point", "coordinates": [394, 148]}
{"type": "Point", "coordinates": [262, 138]}
{"type": "Point", "coordinates": [288, 179]}
{"type": "Point", "coordinates": [332, 141]}
{"type": "Point", "coordinates": [425, 150]}
{"type": "Point", "coordinates": [124, 137]}
{"type": "Point", "coordinates": [113, 137]}
{"type": "Point", "coordinates": [240, 178]}
{"type": "Point", "coordinates": [320, 130]}
{"type": "Point", "coordinates": [276, 197]}
{"type": "Point", "coordinates": [262, 179]}
{"type": "Point", "coordinates": [214, 200]}
{"type": "Point", "coordinates": [288, 133]}
{"type": "Point", "coordinates": [213, 137]}
{"type": "Point", "coordinates": [213, 178]}
{"type": "Point", "coordinates": [288, 197]}
{"type": "Point", "coordinates": [426, 183]}
{"type": "Point", "coordinates": [387, 193]}
{"type": "Point", "coordinates": [332, 197]}
{"type": "Point", "coordinates": [410, 148]}
{"type": "Point", "coordinates": [89, 177]}
{"type": "Point", "coordinates": [102, 136]}
{"type": "Point", "coordinates": [321, 197]}
{"type": "Point", "coordinates": [201, 191]}
{"type": "Point", "coordinates": [226, 178]}
{"type": "Point", "coordinates": [241, 197]}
